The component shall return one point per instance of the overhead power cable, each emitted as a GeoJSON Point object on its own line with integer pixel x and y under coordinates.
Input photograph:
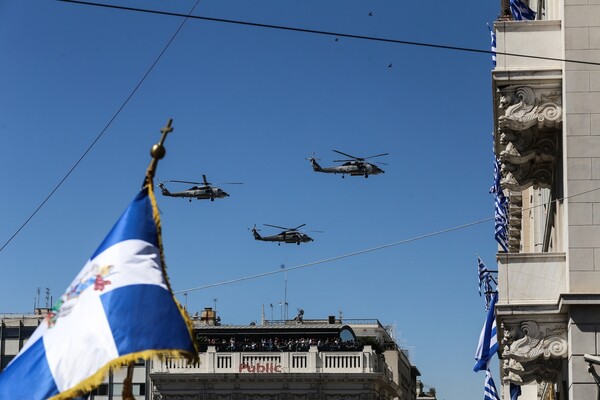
{"type": "Point", "coordinates": [103, 131]}
{"type": "Point", "coordinates": [328, 33]}
{"type": "Point", "coordinates": [372, 249]}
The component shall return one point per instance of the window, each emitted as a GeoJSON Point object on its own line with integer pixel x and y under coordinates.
{"type": "Point", "coordinates": [102, 390]}
{"type": "Point", "coordinates": [4, 360]}
{"type": "Point", "coordinates": [27, 331]}
{"type": "Point", "coordinates": [10, 331]}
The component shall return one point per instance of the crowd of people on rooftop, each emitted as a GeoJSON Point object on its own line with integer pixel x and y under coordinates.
{"type": "Point", "coordinates": [269, 344]}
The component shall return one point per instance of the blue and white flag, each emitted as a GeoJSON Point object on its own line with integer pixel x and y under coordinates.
{"type": "Point", "coordinates": [521, 11]}
{"type": "Point", "coordinates": [485, 281]}
{"type": "Point", "coordinates": [515, 391]}
{"type": "Point", "coordinates": [119, 308]}
{"type": "Point", "coordinates": [500, 210]}
{"type": "Point", "coordinates": [489, 389]}
{"type": "Point", "coordinates": [484, 275]}
{"type": "Point", "coordinates": [493, 47]}
{"type": "Point", "coordinates": [488, 339]}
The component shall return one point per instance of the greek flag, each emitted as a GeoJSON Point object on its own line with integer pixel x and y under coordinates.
{"type": "Point", "coordinates": [521, 11]}
{"type": "Point", "coordinates": [485, 280]}
{"type": "Point", "coordinates": [489, 390]}
{"type": "Point", "coordinates": [515, 391]}
{"type": "Point", "coordinates": [119, 308]}
{"type": "Point", "coordinates": [500, 210]}
{"type": "Point", "coordinates": [488, 340]}
{"type": "Point", "coordinates": [493, 38]}
{"type": "Point", "coordinates": [484, 275]}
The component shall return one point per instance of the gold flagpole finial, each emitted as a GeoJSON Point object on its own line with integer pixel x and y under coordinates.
{"type": "Point", "coordinates": [158, 152]}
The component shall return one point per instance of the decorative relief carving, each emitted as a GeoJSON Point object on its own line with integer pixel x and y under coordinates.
{"type": "Point", "coordinates": [515, 211]}
{"type": "Point", "coordinates": [531, 353]}
{"type": "Point", "coordinates": [529, 123]}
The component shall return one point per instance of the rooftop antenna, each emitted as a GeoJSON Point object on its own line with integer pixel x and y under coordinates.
{"type": "Point", "coordinates": [47, 297]}
{"type": "Point", "coordinates": [285, 315]}
{"type": "Point", "coordinates": [38, 298]}
{"type": "Point", "coordinates": [185, 295]}
{"type": "Point", "coordinates": [215, 304]}
{"type": "Point", "coordinates": [340, 314]}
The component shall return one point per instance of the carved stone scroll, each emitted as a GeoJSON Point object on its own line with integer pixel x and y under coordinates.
{"type": "Point", "coordinates": [528, 126]}
{"type": "Point", "coordinates": [531, 352]}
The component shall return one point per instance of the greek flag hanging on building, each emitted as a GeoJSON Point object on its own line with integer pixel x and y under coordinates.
{"type": "Point", "coordinates": [119, 308]}
{"type": "Point", "coordinates": [521, 11]}
{"type": "Point", "coordinates": [485, 281]}
{"type": "Point", "coordinates": [500, 210]}
{"type": "Point", "coordinates": [493, 44]}
{"type": "Point", "coordinates": [484, 276]}
{"type": "Point", "coordinates": [488, 339]}
{"type": "Point", "coordinates": [489, 389]}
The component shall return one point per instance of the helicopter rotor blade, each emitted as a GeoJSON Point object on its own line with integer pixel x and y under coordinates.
{"type": "Point", "coordinates": [346, 160]}
{"type": "Point", "coordinates": [347, 155]}
{"type": "Point", "coordinates": [190, 182]}
{"type": "Point", "coordinates": [279, 227]}
{"type": "Point", "coordinates": [377, 155]}
{"type": "Point", "coordinates": [298, 227]}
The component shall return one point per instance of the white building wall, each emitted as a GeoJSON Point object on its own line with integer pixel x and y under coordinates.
{"type": "Point", "coordinates": [582, 160]}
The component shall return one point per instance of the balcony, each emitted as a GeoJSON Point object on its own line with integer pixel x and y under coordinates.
{"type": "Point", "coordinates": [312, 361]}
{"type": "Point", "coordinates": [531, 278]}
{"type": "Point", "coordinates": [531, 38]}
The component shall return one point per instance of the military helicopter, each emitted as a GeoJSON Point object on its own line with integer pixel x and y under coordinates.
{"type": "Point", "coordinates": [288, 235]}
{"type": "Point", "coordinates": [357, 166]}
{"type": "Point", "coordinates": [203, 192]}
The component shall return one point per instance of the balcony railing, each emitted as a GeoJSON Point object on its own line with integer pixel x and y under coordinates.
{"type": "Point", "coordinates": [532, 38]}
{"type": "Point", "coordinates": [313, 361]}
{"type": "Point", "coordinates": [531, 278]}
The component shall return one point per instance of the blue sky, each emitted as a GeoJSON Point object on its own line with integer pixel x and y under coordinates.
{"type": "Point", "coordinates": [249, 105]}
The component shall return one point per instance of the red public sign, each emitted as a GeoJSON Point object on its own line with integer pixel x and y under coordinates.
{"type": "Point", "coordinates": [267, 368]}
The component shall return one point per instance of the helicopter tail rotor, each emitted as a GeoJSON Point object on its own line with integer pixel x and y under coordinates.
{"type": "Point", "coordinates": [255, 232]}
{"type": "Point", "coordinates": [163, 189]}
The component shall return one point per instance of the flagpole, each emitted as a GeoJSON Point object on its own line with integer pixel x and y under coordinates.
{"type": "Point", "coordinates": [157, 152]}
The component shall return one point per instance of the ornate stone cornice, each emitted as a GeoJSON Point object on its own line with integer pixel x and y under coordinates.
{"type": "Point", "coordinates": [529, 121]}
{"type": "Point", "coordinates": [533, 351]}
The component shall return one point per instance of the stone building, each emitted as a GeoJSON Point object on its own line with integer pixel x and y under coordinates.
{"type": "Point", "coordinates": [279, 360]}
{"type": "Point", "coordinates": [547, 137]}
{"type": "Point", "coordinates": [285, 360]}
{"type": "Point", "coordinates": [16, 329]}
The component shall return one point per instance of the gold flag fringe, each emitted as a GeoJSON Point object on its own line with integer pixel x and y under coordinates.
{"type": "Point", "coordinates": [96, 379]}
{"type": "Point", "coordinates": [157, 222]}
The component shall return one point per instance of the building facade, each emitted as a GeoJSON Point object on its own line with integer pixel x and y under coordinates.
{"type": "Point", "coordinates": [286, 360]}
{"type": "Point", "coordinates": [16, 329]}
{"type": "Point", "coordinates": [279, 360]}
{"type": "Point", "coordinates": [547, 137]}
